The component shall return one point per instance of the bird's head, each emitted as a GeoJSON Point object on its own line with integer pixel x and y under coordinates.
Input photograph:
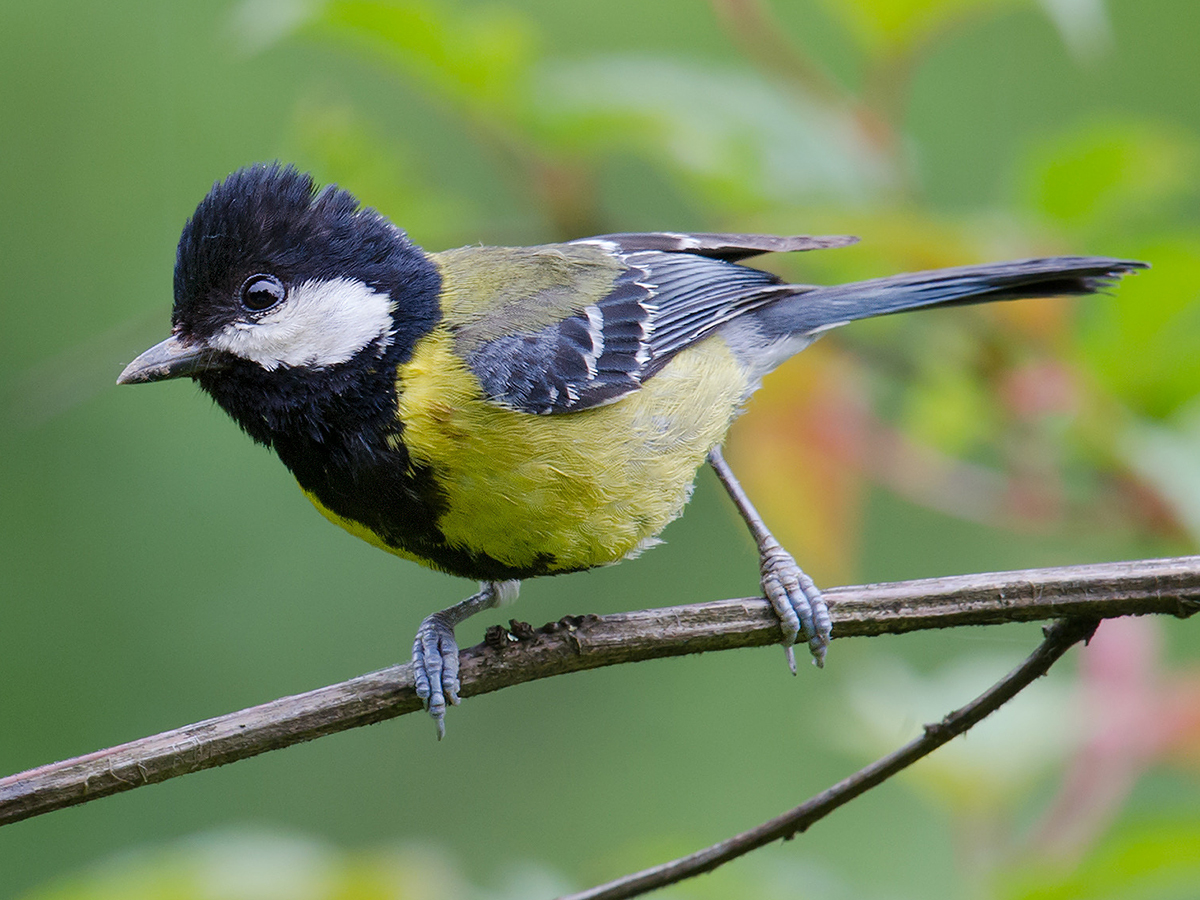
{"type": "Point", "coordinates": [281, 288]}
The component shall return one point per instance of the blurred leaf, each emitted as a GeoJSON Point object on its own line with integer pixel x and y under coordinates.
{"type": "Point", "coordinates": [340, 146]}
{"type": "Point", "coordinates": [260, 865]}
{"type": "Point", "coordinates": [264, 865]}
{"type": "Point", "coordinates": [997, 762]}
{"type": "Point", "coordinates": [948, 408]}
{"type": "Point", "coordinates": [1111, 175]}
{"type": "Point", "coordinates": [1144, 345]}
{"type": "Point", "coordinates": [886, 26]}
{"type": "Point", "coordinates": [1147, 861]}
{"type": "Point", "coordinates": [1167, 457]}
{"type": "Point", "coordinates": [1083, 24]}
{"type": "Point", "coordinates": [477, 60]}
{"type": "Point", "coordinates": [738, 137]}
{"type": "Point", "coordinates": [476, 56]}
{"type": "Point", "coordinates": [257, 24]}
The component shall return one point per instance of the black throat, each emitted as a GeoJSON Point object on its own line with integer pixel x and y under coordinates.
{"type": "Point", "coordinates": [336, 428]}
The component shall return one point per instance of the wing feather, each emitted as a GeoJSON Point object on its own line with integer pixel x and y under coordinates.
{"type": "Point", "coordinates": [668, 292]}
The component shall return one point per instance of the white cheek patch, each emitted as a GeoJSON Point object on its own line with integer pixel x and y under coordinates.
{"type": "Point", "coordinates": [321, 323]}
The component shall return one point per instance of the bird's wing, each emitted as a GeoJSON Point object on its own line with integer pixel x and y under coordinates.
{"type": "Point", "coordinates": [565, 327]}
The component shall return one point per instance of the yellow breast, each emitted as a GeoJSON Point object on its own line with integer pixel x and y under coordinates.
{"type": "Point", "coordinates": [568, 491]}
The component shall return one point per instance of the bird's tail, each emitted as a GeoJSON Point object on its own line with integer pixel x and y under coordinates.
{"type": "Point", "coordinates": [819, 309]}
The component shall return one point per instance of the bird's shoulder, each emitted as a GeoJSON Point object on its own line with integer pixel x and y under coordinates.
{"type": "Point", "coordinates": [491, 292]}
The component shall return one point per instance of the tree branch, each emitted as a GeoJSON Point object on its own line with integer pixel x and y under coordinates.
{"type": "Point", "coordinates": [1060, 637]}
{"type": "Point", "coordinates": [1170, 586]}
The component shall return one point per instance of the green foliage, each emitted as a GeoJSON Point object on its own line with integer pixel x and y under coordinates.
{"type": "Point", "coordinates": [1149, 860]}
{"type": "Point", "coordinates": [476, 57]}
{"type": "Point", "coordinates": [892, 26]}
{"type": "Point", "coordinates": [255, 865]}
{"type": "Point", "coordinates": [1157, 325]}
{"type": "Point", "coordinates": [1113, 176]}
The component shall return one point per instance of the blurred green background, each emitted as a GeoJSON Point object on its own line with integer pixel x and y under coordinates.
{"type": "Point", "coordinates": [156, 568]}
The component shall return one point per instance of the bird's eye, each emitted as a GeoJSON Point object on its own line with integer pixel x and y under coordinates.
{"type": "Point", "coordinates": [261, 292]}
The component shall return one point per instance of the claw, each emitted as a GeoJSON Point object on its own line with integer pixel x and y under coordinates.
{"type": "Point", "coordinates": [798, 603]}
{"type": "Point", "coordinates": [822, 626]}
{"type": "Point", "coordinates": [435, 667]}
{"type": "Point", "coordinates": [435, 651]}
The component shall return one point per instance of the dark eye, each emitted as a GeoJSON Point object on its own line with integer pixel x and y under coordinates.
{"type": "Point", "coordinates": [261, 292]}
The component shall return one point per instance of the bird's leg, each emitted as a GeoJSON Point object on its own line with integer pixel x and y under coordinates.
{"type": "Point", "coordinates": [435, 652]}
{"type": "Point", "coordinates": [793, 595]}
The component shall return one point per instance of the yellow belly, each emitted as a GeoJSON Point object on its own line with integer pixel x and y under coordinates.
{"type": "Point", "coordinates": [568, 491]}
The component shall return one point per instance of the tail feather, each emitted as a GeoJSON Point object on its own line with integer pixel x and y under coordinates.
{"type": "Point", "coordinates": [822, 308]}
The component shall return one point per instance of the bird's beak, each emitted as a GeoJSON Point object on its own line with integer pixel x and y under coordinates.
{"type": "Point", "coordinates": [172, 358]}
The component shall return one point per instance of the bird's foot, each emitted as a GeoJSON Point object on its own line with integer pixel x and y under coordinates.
{"type": "Point", "coordinates": [798, 603]}
{"type": "Point", "coordinates": [435, 651]}
{"type": "Point", "coordinates": [435, 667]}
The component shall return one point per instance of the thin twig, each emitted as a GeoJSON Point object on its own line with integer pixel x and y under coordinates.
{"type": "Point", "coordinates": [1060, 637]}
{"type": "Point", "coordinates": [1170, 586]}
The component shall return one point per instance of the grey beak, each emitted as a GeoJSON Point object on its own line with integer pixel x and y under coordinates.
{"type": "Point", "coordinates": [172, 358]}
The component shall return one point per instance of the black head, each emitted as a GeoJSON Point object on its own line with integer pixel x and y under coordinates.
{"type": "Point", "coordinates": [287, 297]}
{"type": "Point", "coordinates": [271, 220]}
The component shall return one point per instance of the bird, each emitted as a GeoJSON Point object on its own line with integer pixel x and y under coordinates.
{"type": "Point", "coordinates": [504, 413]}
